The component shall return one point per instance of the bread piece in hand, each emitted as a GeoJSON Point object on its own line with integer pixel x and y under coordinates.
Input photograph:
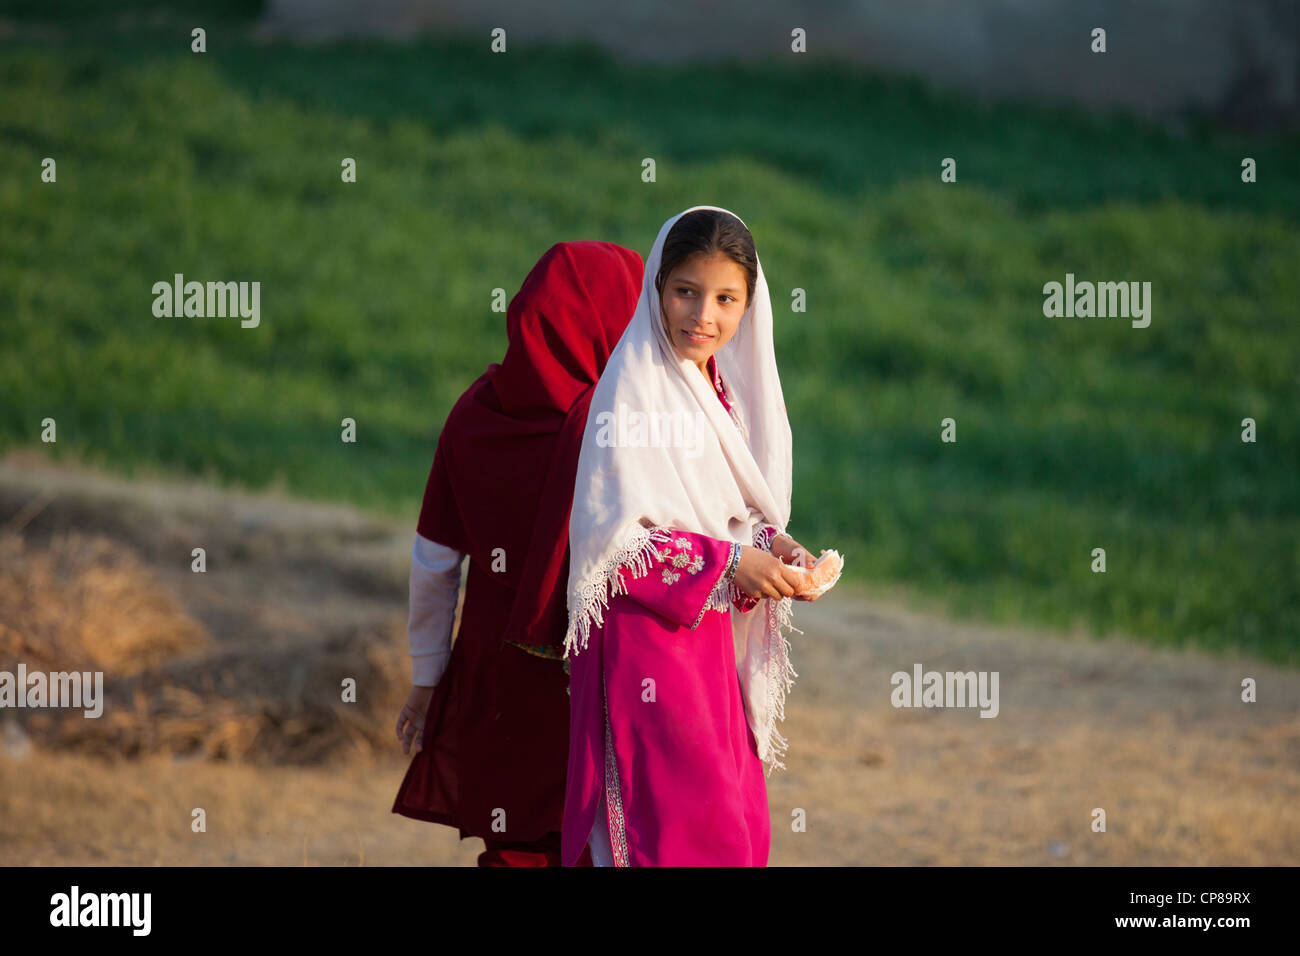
{"type": "Point", "coordinates": [822, 575]}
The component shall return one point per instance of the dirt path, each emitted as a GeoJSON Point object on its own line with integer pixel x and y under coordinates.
{"type": "Point", "coordinates": [1186, 772]}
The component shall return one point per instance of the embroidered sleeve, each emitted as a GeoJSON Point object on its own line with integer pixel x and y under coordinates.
{"type": "Point", "coordinates": [685, 579]}
{"type": "Point", "coordinates": [724, 591]}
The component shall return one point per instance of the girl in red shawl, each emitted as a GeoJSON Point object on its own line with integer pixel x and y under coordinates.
{"type": "Point", "coordinates": [489, 714]}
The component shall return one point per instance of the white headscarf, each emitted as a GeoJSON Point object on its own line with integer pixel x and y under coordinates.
{"type": "Point", "coordinates": [733, 477]}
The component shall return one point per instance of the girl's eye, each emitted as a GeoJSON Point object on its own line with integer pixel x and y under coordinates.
{"type": "Point", "coordinates": [683, 289]}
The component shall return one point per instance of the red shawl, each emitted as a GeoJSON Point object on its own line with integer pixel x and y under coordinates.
{"type": "Point", "coordinates": [504, 469]}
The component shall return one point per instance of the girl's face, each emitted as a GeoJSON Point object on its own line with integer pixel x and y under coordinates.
{"type": "Point", "coordinates": [703, 300]}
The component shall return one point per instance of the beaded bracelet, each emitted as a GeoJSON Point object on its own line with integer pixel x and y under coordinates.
{"type": "Point", "coordinates": [733, 561]}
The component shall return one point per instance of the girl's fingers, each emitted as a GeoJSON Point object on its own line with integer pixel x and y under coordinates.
{"type": "Point", "coordinates": [408, 729]}
{"type": "Point", "coordinates": [793, 579]}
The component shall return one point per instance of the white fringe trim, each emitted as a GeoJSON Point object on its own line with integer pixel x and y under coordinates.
{"type": "Point", "coordinates": [594, 594]}
{"type": "Point", "coordinates": [719, 599]}
{"type": "Point", "coordinates": [778, 671]}
{"type": "Point", "coordinates": [780, 674]}
{"type": "Point", "coordinates": [763, 541]}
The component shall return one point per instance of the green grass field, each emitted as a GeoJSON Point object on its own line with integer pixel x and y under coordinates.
{"type": "Point", "coordinates": [924, 298]}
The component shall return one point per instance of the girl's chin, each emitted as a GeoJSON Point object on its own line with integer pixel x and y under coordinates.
{"type": "Point", "coordinates": [697, 354]}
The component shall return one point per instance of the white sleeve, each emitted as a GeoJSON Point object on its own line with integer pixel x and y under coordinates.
{"type": "Point", "coordinates": [435, 585]}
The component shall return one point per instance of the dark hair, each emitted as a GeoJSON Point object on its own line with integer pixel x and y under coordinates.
{"type": "Point", "coordinates": [708, 231]}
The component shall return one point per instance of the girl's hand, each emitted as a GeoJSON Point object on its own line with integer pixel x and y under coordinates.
{"type": "Point", "coordinates": [793, 553]}
{"type": "Point", "coordinates": [410, 723]}
{"type": "Point", "coordinates": [760, 574]}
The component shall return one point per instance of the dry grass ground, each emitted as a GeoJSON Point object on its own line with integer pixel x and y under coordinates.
{"type": "Point", "coordinates": [225, 687]}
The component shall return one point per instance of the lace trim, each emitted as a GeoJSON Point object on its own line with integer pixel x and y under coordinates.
{"type": "Point", "coordinates": [719, 598]}
{"type": "Point", "coordinates": [763, 535]}
{"type": "Point", "coordinates": [593, 595]}
{"type": "Point", "coordinates": [780, 675]}
{"type": "Point", "coordinates": [613, 796]}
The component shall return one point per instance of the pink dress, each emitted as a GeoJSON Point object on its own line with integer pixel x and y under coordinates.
{"type": "Point", "coordinates": [657, 721]}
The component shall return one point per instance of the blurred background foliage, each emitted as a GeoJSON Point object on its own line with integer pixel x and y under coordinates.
{"type": "Point", "coordinates": [924, 298]}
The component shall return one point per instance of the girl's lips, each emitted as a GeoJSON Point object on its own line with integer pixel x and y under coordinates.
{"type": "Point", "coordinates": [696, 338]}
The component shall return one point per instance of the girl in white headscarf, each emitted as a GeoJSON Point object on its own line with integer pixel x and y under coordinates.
{"type": "Point", "coordinates": [680, 573]}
